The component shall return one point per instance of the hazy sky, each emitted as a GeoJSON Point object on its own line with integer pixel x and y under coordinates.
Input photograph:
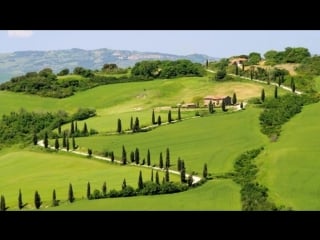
{"type": "Point", "coordinates": [222, 43]}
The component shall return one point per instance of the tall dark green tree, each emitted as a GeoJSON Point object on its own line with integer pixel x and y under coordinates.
{"type": "Point", "coordinates": [46, 140]}
{"type": "Point", "coordinates": [152, 175]}
{"type": "Point", "coordinates": [153, 117]}
{"type": "Point", "coordinates": [190, 180]}
{"type": "Point", "coordinates": [148, 158]}
{"type": "Point", "coordinates": [293, 86]}
{"type": "Point", "coordinates": [124, 184]}
{"type": "Point", "coordinates": [241, 105]}
{"type": "Point", "coordinates": [72, 128]}
{"type": "Point", "coordinates": [3, 203]}
{"type": "Point", "coordinates": [210, 107]}
{"type": "Point", "coordinates": [85, 129]}
{"type": "Point", "coordinates": [88, 191]}
{"type": "Point", "coordinates": [169, 117]}
{"type": "Point", "coordinates": [20, 203]}
{"type": "Point", "coordinates": [37, 200]}
{"type": "Point", "coordinates": [205, 171]}
{"type": "Point", "coordinates": [279, 81]}
{"type": "Point", "coordinates": [161, 161]}
{"type": "Point", "coordinates": [70, 194]}
{"type": "Point", "coordinates": [157, 178]}
{"type": "Point", "coordinates": [275, 91]}
{"type": "Point", "coordinates": [182, 164]}
{"type": "Point", "coordinates": [35, 139]}
{"type": "Point", "coordinates": [112, 157]}
{"type": "Point", "coordinates": [132, 156]}
{"type": "Point", "coordinates": [179, 164]}
{"type": "Point", "coordinates": [179, 113]}
{"type": "Point", "coordinates": [67, 144]}
{"type": "Point", "coordinates": [59, 129]}
{"type": "Point", "coordinates": [56, 144]}
{"type": "Point", "coordinates": [119, 127]}
{"type": "Point", "coordinates": [207, 64]}
{"type": "Point", "coordinates": [159, 120]}
{"type": "Point", "coordinates": [223, 106]}
{"type": "Point", "coordinates": [136, 127]}
{"type": "Point", "coordinates": [131, 123]}
{"type": "Point", "coordinates": [167, 175]}
{"type": "Point", "coordinates": [263, 96]}
{"type": "Point", "coordinates": [76, 127]}
{"type": "Point", "coordinates": [137, 156]}
{"type": "Point", "coordinates": [74, 146]}
{"type": "Point", "coordinates": [234, 99]}
{"type": "Point", "coordinates": [236, 69]}
{"type": "Point", "coordinates": [124, 155]}
{"type": "Point", "coordinates": [64, 142]}
{"type": "Point", "coordinates": [55, 202]}
{"type": "Point", "coordinates": [167, 158]}
{"type": "Point", "coordinates": [183, 175]}
{"type": "Point", "coordinates": [140, 181]}
{"type": "Point", "coordinates": [104, 188]}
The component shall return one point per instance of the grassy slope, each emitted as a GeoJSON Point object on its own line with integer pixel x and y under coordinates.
{"type": "Point", "coordinates": [290, 167]}
{"type": "Point", "coordinates": [214, 195]}
{"type": "Point", "coordinates": [216, 140]}
{"type": "Point", "coordinates": [33, 170]}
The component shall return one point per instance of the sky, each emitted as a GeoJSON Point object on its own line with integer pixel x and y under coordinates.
{"type": "Point", "coordinates": [214, 43]}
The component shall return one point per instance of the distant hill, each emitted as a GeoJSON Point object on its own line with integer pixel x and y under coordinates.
{"type": "Point", "coordinates": [19, 63]}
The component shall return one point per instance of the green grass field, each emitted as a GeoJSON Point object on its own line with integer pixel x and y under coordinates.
{"type": "Point", "coordinates": [214, 195]}
{"type": "Point", "coordinates": [36, 170]}
{"type": "Point", "coordinates": [216, 140]}
{"type": "Point", "coordinates": [290, 166]}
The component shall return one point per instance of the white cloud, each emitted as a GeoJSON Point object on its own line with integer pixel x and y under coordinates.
{"type": "Point", "coordinates": [20, 33]}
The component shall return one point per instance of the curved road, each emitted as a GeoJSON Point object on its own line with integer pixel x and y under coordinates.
{"type": "Point", "coordinates": [194, 178]}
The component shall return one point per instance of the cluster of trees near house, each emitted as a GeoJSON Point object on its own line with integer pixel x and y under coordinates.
{"type": "Point", "coordinates": [307, 68]}
{"type": "Point", "coordinates": [47, 84]}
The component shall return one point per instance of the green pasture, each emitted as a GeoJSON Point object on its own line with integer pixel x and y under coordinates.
{"type": "Point", "coordinates": [31, 170]}
{"type": "Point", "coordinates": [290, 166]}
{"type": "Point", "coordinates": [214, 195]}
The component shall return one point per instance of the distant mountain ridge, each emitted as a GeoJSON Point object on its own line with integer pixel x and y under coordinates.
{"type": "Point", "coordinates": [21, 62]}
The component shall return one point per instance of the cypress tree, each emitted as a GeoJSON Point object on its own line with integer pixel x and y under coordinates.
{"type": "Point", "coordinates": [293, 86]}
{"type": "Point", "coordinates": [140, 181]}
{"type": "Point", "coordinates": [137, 156]}
{"type": "Point", "coordinates": [190, 180]}
{"type": "Point", "coordinates": [236, 69]}
{"type": "Point", "coordinates": [46, 140]}
{"type": "Point", "coordinates": [67, 144]}
{"type": "Point", "coordinates": [157, 178]}
{"type": "Point", "coordinates": [85, 129]}
{"type": "Point", "coordinates": [56, 144]}
{"type": "Point", "coordinates": [104, 189]}
{"type": "Point", "coordinates": [183, 175]}
{"type": "Point", "coordinates": [35, 139]}
{"type": "Point", "coordinates": [119, 127]}
{"type": "Point", "coordinates": [179, 164]}
{"type": "Point", "coordinates": [148, 158]}
{"type": "Point", "coordinates": [169, 117]}
{"type": "Point", "coordinates": [167, 176]}
{"type": "Point", "coordinates": [64, 142]}
{"type": "Point", "coordinates": [223, 106]}
{"type": "Point", "coordinates": [159, 120]}
{"type": "Point", "coordinates": [72, 128]}
{"type": "Point", "coordinates": [205, 171]}
{"type": "Point", "coordinates": [241, 105]}
{"type": "Point", "coordinates": [234, 99]}
{"type": "Point", "coordinates": [152, 175]}
{"type": "Point", "coordinates": [88, 191]}
{"type": "Point", "coordinates": [182, 164]}
{"type": "Point", "coordinates": [20, 203]}
{"type": "Point", "coordinates": [210, 106]}
{"type": "Point", "coordinates": [279, 81]}
{"type": "Point", "coordinates": [89, 152]}
{"type": "Point", "coordinates": [76, 127]}
{"type": "Point", "coordinates": [275, 91]}
{"type": "Point", "coordinates": [136, 127]}
{"type": "Point", "coordinates": [167, 158]}
{"type": "Point", "coordinates": [70, 194]}
{"type": "Point", "coordinates": [74, 146]}
{"type": "Point", "coordinates": [112, 157]}
{"type": "Point", "coordinates": [3, 204]}
{"type": "Point", "coordinates": [161, 161]}
{"type": "Point", "coordinates": [131, 123]}
{"type": "Point", "coordinates": [59, 129]}
{"type": "Point", "coordinates": [124, 155]}
{"type": "Point", "coordinates": [124, 184]}
{"type": "Point", "coordinates": [207, 64]}
{"type": "Point", "coordinates": [132, 156]}
{"type": "Point", "coordinates": [153, 117]}
{"type": "Point", "coordinates": [54, 198]}
{"type": "Point", "coordinates": [179, 113]}
{"type": "Point", "coordinates": [37, 200]}
{"type": "Point", "coordinates": [263, 95]}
